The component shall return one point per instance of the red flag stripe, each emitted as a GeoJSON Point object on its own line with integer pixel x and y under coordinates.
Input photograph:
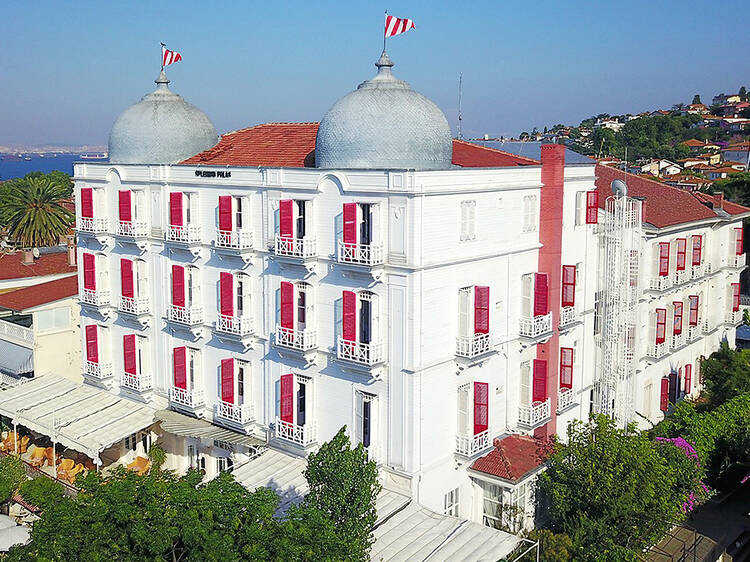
{"type": "Point", "coordinates": [168, 57]}
{"type": "Point", "coordinates": [396, 26]}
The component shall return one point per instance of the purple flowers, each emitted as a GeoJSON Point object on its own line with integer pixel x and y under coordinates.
{"type": "Point", "coordinates": [682, 444]}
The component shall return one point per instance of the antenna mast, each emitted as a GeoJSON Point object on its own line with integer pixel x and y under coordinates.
{"type": "Point", "coordinates": [460, 115]}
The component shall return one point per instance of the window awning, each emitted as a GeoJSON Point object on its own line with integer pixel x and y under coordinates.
{"type": "Point", "coordinates": [78, 416]}
{"type": "Point", "coordinates": [15, 359]}
{"type": "Point", "coordinates": [180, 424]}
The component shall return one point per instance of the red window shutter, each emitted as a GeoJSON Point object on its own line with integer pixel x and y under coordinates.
{"type": "Point", "coordinates": [541, 294]}
{"type": "Point", "coordinates": [286, 408]}
{"type": "Point", "coordinates": [739, 244]}
{"type": "Point", "coordinates": [693, 317]}
{"type": "Point", "coordinates": [226, 293]}
{"type": "Point", "coordinates": [569, 285]}
{"type": "Point", "coordinates": [481, 406]}
{"type": "Point", "coordinates": [92, 344]}
{"type": "Point", "coordinates": [126, 278]}
{"type": "Point", "coordinates": [87, 202]}
{"type": "Point", "coordinates": [128, 353]}
{"type": "Point", "coordinates": [178, 285]}
{"type": "Point", "coordinates": [661, 325]}
{"type": "Point", "coordinates": [350, 223]}
{"type": "Point", "coordinates": [697, 249]}
{"type": "Point", "coordinates": [664, 398]}
{"type": "Point", "coordinates": [681, 249]}
{"type": "Point", "coordinates": [227, 380]}
{"type": "Point", "coordinates": [124, 206]}
{"type": "Point", "coordinates": [89, 271]}
{"type": "Point", "coordinates": [349, 319]}
{"type": "Point", "coordinates": [566, 367]}
{"type": "Point", "coordinates": [677, 326]}
{"type": "Point", "coordinates": [175, 209]}
{"type": "Point", "coordinates": [735, 297]}
{"type": "Point", "coordinates": [663, 259]}
{"type": "Point", "coordinates": [481, 309]}
{"type": "Point", "coordinates": [179, 367]}
{"type": "Point", "coordinates": [286, 218]}
{"type": "Point", "coordinates": [539, 384]}
{"type": "Point", "coordinates": [287, 305]}
{"type": "Point", "coordinates": [592, 207]}
{"type": "Point", "coordinates": [688, 378]}
{"type": "Point", "coordinates": [225, 213]}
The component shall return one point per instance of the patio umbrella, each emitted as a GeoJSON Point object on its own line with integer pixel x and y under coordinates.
{"type": "Point", "coordinates": [6, 522]}
{"type": "Point", "coordinates": [13, 536]}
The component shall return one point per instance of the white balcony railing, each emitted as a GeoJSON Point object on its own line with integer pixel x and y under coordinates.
{"type": "Point", "coordinates": [698, 271]}
{"type": "Point", "coordinates": [97, 370]}
{"type": "Point", "coordinates": [239, 239]}
{"type": "Point", "coordinates": [534, 414]}
{"type": "Point", "coordinates": [301, 340]}
{"type": "Point", "coordinates": [657, 350]}
{"type": "Point", "coordinates": [95, 297]}
{"type": "Point", "coordinates": [238, 413]}
{"type": "Point", "coordinates": [132, 229]}
{"type": "Point", "coordinates": [299, 434]}
{"type": "Point", "coordinates": [190, 234]}
{"type": "Point", "coordinates": [93, 225]}
{"type": "Point", "coordinates": [693, 332]}
{"type": "Point", "coordinates": [661, 282]}
{"type": "Point", "coordinates": [357, 352]}
{"type": "Point", "coordinates": [564, 398]}
{"type": "Point", "coordinates": [734, 317]}
{"type": "Point", "coordinates": [706, 327]}
{"type": "Point", "coordinates": [295, 247]}
{"type": "Point", "coordinates": [13, 332]}
{"type": "Point", "coordinates": [361, 254]}
{"type": "Point", "coordinates": [736, 261]}
{"type": "Point", "coordinates": [135, 305]}
{"type": "Point", "coordinates": [235, 325]}
{"type": "Point", "coordinates": [191, 398]}
{"type": "Point", "coordinates": [470, 445]}
{"type": "Point", "coordinates": [535, 326]}
{"type": "Point", "coordinates": [184, 315]}
{"type": "Point", "coordinates": [568, 315]}
{"type": "Point", "coordinates": [474, 345]}
{"type": "Point", "coordinates": [678, 340]}
{"type": "Point", "coordinates": [138, 383]}
{"type": "Point", "coordinates": [682, 276]}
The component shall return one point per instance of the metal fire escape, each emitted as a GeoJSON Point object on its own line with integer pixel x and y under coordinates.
{"type": "Point", "coordinates": [615, 384]}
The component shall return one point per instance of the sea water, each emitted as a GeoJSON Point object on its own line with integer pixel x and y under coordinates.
{"type": "Point", "coordinates": [19, 168]}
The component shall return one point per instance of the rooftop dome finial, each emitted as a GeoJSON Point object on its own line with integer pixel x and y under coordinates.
{"type": "Point", "coordinates": [162, 81]}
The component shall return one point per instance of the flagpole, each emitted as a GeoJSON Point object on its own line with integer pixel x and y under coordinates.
{"type": "Point", "coordinates": [162, 55]}
{"type": "Point", "coordinates": [384, 28]}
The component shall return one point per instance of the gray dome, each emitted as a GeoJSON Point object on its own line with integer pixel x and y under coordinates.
{"type": "Point", "coordinates": [384, 124]}
{"type": "Point", "coordinates": [162, 128]}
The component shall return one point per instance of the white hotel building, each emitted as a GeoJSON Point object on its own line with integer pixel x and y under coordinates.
{"type": "Point", "coordinates": [436, 297]}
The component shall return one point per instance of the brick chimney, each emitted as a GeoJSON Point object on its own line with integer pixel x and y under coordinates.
{"type": "Point", "coordinates": [27, 257]}
{"type": "Point", "coordinates": [71, 250]}
{"type": "Point", "coordinates": [719, 199]}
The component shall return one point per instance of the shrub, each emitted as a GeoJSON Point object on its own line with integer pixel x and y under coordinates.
{"type": "Point", "coordinates": [41, 492]}
{"type": "Point", "coordinates": [12, 473]}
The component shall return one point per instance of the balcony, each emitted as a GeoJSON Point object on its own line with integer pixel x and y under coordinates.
{"type": "Point", "coordinates": [16, 333]}
{"type": "Point", "coordinates": [235, 325]}
{"type": "Point", "coordinates": [694, 332]}
{"type": "Point", "coordinates": [568, 316]}
{"type": "Point", "coordinates": [736, 262]}
{"type": "Point", "coordinates": [187, 398]}
{"type": "Point", "coordinates": [361, 353]}
{"type": "Point", "coordinates": [136, 383]}
{"type": "Point", "coordinates": [183, 315]}
{"type": "Point", "coordinates": [473, 346]}
{"type": "Point", "coordinates": [90, 225]}
{"type": "Point", "coordinates": [96, 370]}
{"type": "Point", "coordinates": [297, 434]}
{"type": "Point", "coordinates": [657, 350]}
{"type": "Point", "coordinates": [361, 254]}
{"type": "Point", "coordinates": [300, 340]}
{"type": "Point", "coordinates": [534, 414]}
{"type": "Point", "coordinates": [470, 445]}
{"type": "Point", "coordinates": [132, 229]}
{"type": "Point", "coordinates": [135, 305]}
{"type": "Point", "coordinates": [190, 234]}
{"type": "Point", "coordinates": [94, 297]}
{"type": "Point", "coordinates": [240, 414]}
{"type": "Point", "coordinates": [565, 399]}
{"type": "Point", "coordinates": [734, 317]}
{"type": "Point", "coordinates": [698, 271]}
{"type": "Point", "coordinates": [302, 248]}
{"type": "Point", "coordinates": [682, 276]}
{"type": "Point", "coordinates": [536, 326]}
{"type": "Point", "coordinates": [706, 327]}
{"type": "Point", "coordinates": [660, 283]}
{"type": "Point", "coordinates": [678, 340]}
{"type": "Point", "coordinates": [239, 239]}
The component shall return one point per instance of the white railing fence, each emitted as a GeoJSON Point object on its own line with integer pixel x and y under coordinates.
{"type": "Point", "coordinates": [470, 445]}
{"type": "Point", "coordinates": [535, 326]}
{"type": "Point", "coordinates": [301, 340]}
{"type": "Point", "coordinates": [295, 247]}
{"type": "Point", "coordinates": [361, 254]}
{"type": "Point", "coordinates": [364, 353]}
{"type": "Point", "coordinates": [472, 346]}
{"type": "Point", "coordinates": [299, 434]}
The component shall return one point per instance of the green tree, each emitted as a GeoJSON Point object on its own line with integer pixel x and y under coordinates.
{"type": "Point", "coordinates": [743, 93]}
{"type": "Point", "coordinates": [736, 187]}
{"type": "Point", "coordinates": [12, 473]}
{"type": "Point", "coordinates": [726, 374]}
{"type": "Point", "coordinates": [697, 99]}
{"type": "Point", "coordinates": [41, 492]}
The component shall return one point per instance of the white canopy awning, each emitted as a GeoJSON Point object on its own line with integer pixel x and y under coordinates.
{"type": "Point", "coordinates": [78, 416]}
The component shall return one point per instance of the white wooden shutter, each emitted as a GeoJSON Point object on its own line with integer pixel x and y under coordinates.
{"type": "Point", "coordinates": [525, 383]}
{"type": "Point", "coordinates": [463, 410]}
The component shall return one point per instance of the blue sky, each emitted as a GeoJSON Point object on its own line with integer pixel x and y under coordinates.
{"type": "Point", "coordinates": [67, 69]}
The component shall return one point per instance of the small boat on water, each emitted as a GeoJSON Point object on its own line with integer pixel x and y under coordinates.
{"type": "Point", "coordinates": [94, 156]}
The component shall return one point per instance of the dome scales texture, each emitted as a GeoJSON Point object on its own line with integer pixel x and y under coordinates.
{"type": "Point", "coordinates": [162, 128]}
{"type": "Point", "coordinates": [384, 124]}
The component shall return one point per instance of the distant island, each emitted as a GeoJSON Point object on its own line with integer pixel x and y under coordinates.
{"type": "Point", "coordinates": [52, 149]}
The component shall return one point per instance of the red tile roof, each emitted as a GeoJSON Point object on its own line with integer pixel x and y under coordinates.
{"type": "Point", "coordinates": [728, 206]}
{"type": "Point", "coordinates": [292, 145]}
{"type": "Point", "coordinates": [43, 293]}
{"type": "Point", "coordinates": [693, 142]}
{"type": "Point", "coordinates": [47, 264]}
{"type": "Point", "coordinates": [513, 457]}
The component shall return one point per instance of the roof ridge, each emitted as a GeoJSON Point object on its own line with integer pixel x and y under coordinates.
{"type": "Point", "coordinates": [493, 149]}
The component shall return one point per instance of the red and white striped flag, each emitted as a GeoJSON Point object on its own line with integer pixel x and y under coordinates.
{"type": "Point", "coordinates": [168, 57]}
{"type": "Point", "coordinates": [395, 26]}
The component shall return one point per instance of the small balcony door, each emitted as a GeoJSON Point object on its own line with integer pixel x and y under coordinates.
{"type": "Point", "coordinates": [360, 318]}
{"type": "Point", "coordinates": [363, 418]}
{"type": "Point", "coordinates": [293, 217]}
{"type": "Point", "coordinates": [185, 367]}
{"type": "Point", "coordinates": [294, 399]}
{"type": "Point", "coordinates": [135, 354]}
{"type": "Point", "coordinates": [535, 295]}
{"type": "Point", "coordinates": [232, 213]}
{"type": "Point", "coordinates": [473, 408]}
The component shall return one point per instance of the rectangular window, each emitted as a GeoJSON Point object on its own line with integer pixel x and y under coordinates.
{"type": "Point", "coordinates": [663, 259]}
{"type": "Point", "coordinates": [539, 388]}
{"type": "Point", "coordinates": [286, 408]}
{"type": "Point", "coordinates": [697, 249]}
{"type": "Point", "coordinates": [481, 310]}
{"type": "Point", "coordinates": [224, 464]}
{"type": "Point", "coordinates": [365, 320]}
{"type": "Point", "coordinates": [481, 407]}
{"type": "Point", "coordinates": [468, 220]}
{"type": "Point", "coordinates": [365, 225]}
{"type": "Point", "coordinates": [688, 378]}
{"type": "Point", "coordinates": [664, 395]}
{"type": "Point", "coordinates": [693, 316]}
{"type": "Point", "coordinates": [87, 202]}
{"type": "Point", "coordinates": [239, 297]}
{"type": "Point", "coordinates": [738, 242]}
{"type": "Point", "coordinates": [125, 206]}
{"type": "Point", "coordinates": [566, 367]}
{"type": "Point", "coordinates": [242, 368]}
{"type": "Point", "coordinates": [677, 325]}
{"type": "Point", "coordinates": [238, 212]}
{"type": "Point", "coordinates": [735, 297]}
{"type": "Point", "coordinates": [592, 207]}
{"type": "Point", "coordinates": [363, 418]}
{"type": "Point", "coordinates": [301, 218]}
{"type": "Point", "coordinates": [525, 369]}
{"type": "Point", "coordinates": [529, 213]}
{"type": "Point", "coordinates": [464, 306]}
{"type": "Point", "coordinates": [541, 294]}
{"type": "Point", "coordinates": [450, 503]}
{"type": "Point", "coordinates": [681, 249]}
{"type": "Point", "coordinates": [568, 285]}
{"type": "Point", "coordinates": [286, 314]}
{"type": "Point", "coordinates": [463, 410]}
{"type": "Point", "coordinates": [301, 401]}
{"type": "Point", "coordinates": [492, 501]}
{"type": "Point", "coordinates": [286, 218]}
{"type": "Point", "coordinates": [661, 325]}
{"type": "Point", "coordinates": [301, 307]}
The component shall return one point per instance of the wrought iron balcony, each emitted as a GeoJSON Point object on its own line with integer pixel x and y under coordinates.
{"type": "Point", "coordinates": [536, 326]}
{"type": "Point", "coordinates": [95, 225]}
{"type": "Point", "coordinates": [183, 315]}
{"type": "Point", "coordinates": [235, 325]}
{"type": "Point", "coordinates": [239, 239]}
{"type": "Point", "coordinates": [358, 352]}
{"type": "Point", "coordinates": [138, 383]}
{"type": "Point", "coordinates": [678, 340]}
{"type": "Point", "coordinates": [734, 317]}
{"type": "Point", "coordinates": [132, 229]}
{"type": "Point", "coordinates": [661, 282]}
{"type": "Point", "coordinates": [534, 414]}
{"type": "Point", "coordinates": [474, 345]}
{"type": "Point", "coordinates": [298, 434]}
{"type": "Point", "coordinates": [565, 398]}
{"type": "Point", "coordinates": [97, 370]}
{"type": "Point", "coordinates": [301, 340]}
{"type": "Point", "coordinates": [295, 247]}
{"type": "Point", "coordinates": [190, 234]}
{"type": "Point", "coordinates": [189, 398]}
{"type": "Point", "coordinates": [95, 297]}
{"type": "Point", "coordinates": [657, 350]}
{"type": "Point", "coordinates": [568, 316]}
{"type": "Point", "coordinates": [361, 254]}
{"type": "Point", "coordinates": [470, 445]}
{"type": "Point", "coordinates": [135, 305]}
{"type": "Point", "coordinates": [237, 413]}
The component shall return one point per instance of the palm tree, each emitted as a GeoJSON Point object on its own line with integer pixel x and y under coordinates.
{"type": "Point", "coordinates": [34, 212]}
